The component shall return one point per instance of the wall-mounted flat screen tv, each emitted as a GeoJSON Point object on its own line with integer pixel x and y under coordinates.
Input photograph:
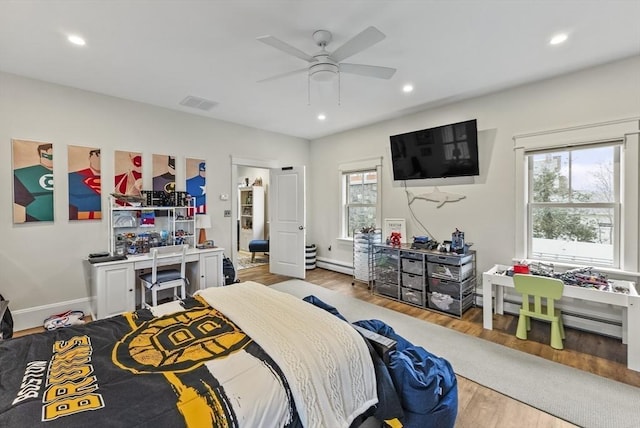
{"type": "Point", "coordinates": [443, 151]}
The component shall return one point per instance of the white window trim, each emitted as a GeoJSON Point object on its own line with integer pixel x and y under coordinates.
{"type": "Point", "coordinates": [358, 166]}
{"type": "Point", "coordinates": [625, 130]}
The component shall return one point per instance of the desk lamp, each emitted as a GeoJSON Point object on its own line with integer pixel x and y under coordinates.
{"type": "Point", "coordinates": [203, 222]}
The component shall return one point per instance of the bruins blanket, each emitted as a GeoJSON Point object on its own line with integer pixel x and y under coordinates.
{"type": "Point", "coordinates": [192, 368]}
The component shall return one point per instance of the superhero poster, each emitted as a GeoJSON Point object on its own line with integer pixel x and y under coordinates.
{"type": "Point", "coordinates": [197, 183]}
{"type": "Point", "coordinates": [85, 195]}
{"type": "Point", "coordinates": [128, 173]}
{"type": "Point", "coordinates": [164, 173]}
{"type": "Point", "coordinates": [32, 181]}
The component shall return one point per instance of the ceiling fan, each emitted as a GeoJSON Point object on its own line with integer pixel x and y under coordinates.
{"type": "Point", "coordinates": [325, 65]}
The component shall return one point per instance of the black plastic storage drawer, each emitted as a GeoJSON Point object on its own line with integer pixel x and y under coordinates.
{"type": "Point", "coordinates": [412, 296]}
{"type": "Point", "coordinates": [452, 288]}
{"type": "Point", "coordinates": [452, 259]}
{"type": "Point", "coordinates": [413, 266]}
{"type": "Point", "coordinates": [387, 289]}
{"type": "Point", "coordinates": [413, 281]}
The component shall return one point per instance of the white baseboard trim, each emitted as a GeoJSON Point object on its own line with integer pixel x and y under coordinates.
{"type": "Point", "coordinates": [334, 265]}
{"type": "Point", "coordinates": [34, 317]}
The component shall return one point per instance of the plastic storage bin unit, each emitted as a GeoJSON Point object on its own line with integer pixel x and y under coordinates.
{"type": "Point", "coordinates": [433, 280]}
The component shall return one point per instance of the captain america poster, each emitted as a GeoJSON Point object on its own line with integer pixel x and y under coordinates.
{"type": "Point", "coordinates": [197, 183]}
{"type": "Point", "coordinates": [32, 181]}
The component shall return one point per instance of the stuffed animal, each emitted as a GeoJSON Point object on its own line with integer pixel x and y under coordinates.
{"type": "Point", "coordinates": [395, 239]}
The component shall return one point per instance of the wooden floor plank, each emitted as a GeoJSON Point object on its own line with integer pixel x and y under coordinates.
{"type": "Point", "coordinates": [479, 406]}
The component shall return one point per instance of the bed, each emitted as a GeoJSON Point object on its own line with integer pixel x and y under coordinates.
{"type": "Point", "coordinates": [237, 356]}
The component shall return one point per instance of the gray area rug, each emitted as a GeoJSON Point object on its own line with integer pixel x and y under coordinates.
{"type": "Point", "coordinates": [579, 397]}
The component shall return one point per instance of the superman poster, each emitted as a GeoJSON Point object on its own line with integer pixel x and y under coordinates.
{"type": "Point", "coordinates": [85, 194]}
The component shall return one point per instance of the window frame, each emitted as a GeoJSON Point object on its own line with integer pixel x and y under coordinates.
{"type": "Point", "coordinates": [370, 165]}
{"type": "Point", "coordinates": [531, 205]}
{"type": "Point", "coordinates": [624, 130]}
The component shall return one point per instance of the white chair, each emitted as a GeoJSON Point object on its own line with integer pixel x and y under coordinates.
{"type": "Point", "coordinates": [159, 279]}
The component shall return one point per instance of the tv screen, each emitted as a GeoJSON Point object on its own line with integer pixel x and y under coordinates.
{"type": "Point", "coordinates": [444, 151]}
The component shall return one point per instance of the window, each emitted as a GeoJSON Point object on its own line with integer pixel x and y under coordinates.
{"type": "Point", "coordinates": [573, 204]}
{"type": "Point", "coordinates": [360, 200]}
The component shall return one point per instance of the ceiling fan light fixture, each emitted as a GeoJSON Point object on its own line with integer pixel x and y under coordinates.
{"type": "Point", "coordinates": [324, 72]}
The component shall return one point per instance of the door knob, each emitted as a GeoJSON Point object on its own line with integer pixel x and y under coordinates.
{"type": "Point", "coordinates": [300, 227]}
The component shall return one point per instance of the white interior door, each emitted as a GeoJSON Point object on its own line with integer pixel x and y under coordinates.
{"type": "Point", "coordinates": [287, 221]}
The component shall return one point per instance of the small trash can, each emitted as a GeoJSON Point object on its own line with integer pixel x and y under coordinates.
{"type": "Point", "coordinates": [310, 257]}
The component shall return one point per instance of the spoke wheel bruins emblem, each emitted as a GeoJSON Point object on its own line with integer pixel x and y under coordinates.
{"type": "Point", "coordinates": [179, 342]}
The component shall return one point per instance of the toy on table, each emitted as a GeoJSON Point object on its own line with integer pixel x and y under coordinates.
{"type": "Point", "coordinates": [395, 239]}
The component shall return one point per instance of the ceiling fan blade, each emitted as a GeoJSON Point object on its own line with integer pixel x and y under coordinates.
{"type": "Point", "coordinates": [285, 47]}
{"type": "Point", "coordinates": [367, 70]}
{"type": "Point", "coordinates": [280, 76]}
{"type": "Point", "coordinates": [357, 43]}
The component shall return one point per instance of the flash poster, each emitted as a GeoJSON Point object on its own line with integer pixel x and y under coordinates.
{"type": "Point", "coordinates": [197, 183]}
{"type": "Point", "coordinates": [85, 200]}
{"type": "Point", "coordinates": [128, 173]}
{"type": "Point", "coordinates": [32, 181]}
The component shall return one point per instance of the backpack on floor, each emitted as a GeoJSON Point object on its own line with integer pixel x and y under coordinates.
{"type": "Point", "coordinates": [228, 270]}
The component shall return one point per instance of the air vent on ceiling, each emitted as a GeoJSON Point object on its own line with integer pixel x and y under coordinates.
{"type": "Point", "coordinates": [197, 102]}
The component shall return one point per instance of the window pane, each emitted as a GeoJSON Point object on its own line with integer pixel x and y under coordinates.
{"type": "Point", "coordinates": [551, 177]}
{"type": "Point", "coordinates": [592, 174]}
{"type": "Point", "coordinates": [362, 188]}
{"type": "Point", "coordinates": [582, 235]}
{"type": "Point", "coordinates": [575, 176]}
{"type": "Point", "coordinates": [359, 217]}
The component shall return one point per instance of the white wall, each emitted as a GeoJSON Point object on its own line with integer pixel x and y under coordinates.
{"type": "Point", "coordinates": [486, 215]}
{"type": "Point", "coordinates": [41, 264]}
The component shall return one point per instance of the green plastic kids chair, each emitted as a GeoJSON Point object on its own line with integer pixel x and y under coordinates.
{"type": "Point", "coordinates": [541, 288]}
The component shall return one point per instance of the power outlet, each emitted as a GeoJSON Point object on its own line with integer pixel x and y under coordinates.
{"type": "Point", "coordinates": [227, 213]}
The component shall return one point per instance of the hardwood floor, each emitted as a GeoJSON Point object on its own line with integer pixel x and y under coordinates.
{"type": "Point", "coordinates": [479, 406]}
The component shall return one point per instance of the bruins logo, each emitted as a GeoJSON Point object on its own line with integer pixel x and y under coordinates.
{"type": "Point", "coordinates": [179, 342]}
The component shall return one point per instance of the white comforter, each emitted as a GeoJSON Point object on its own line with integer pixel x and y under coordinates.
{"type": "Point", "coordinates": [325, 361]}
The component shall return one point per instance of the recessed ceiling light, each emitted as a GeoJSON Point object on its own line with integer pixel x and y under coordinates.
{"type": "Point", "coordinates": [76, 40]}
{"type": "Point", "coordinates": [407, 88]}
{"type": "Point", "coordinates": [321, 116]}
{"type": "Point", "coordinates": [558, 38]}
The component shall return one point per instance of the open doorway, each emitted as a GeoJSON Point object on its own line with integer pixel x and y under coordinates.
{"type": "Point", "coordinates": [250, 212]}
{"type": "Point", "coordinates": [252, 225]}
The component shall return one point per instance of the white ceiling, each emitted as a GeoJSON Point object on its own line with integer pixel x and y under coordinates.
{"type": "Point", "coordinates": [159, 52]}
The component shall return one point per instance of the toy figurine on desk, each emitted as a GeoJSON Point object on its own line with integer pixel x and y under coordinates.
{"type": "Point", "coordinates": [395, 239]}
{"type": "Point", "coordinates": [457, 242]}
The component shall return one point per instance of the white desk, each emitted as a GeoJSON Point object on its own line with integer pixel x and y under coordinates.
{"type": "Point", "coordinates": [113, 284]}
{"type": "Point", "coordinates": [493, 284]}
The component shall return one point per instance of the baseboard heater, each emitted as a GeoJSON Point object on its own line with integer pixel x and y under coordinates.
{"type": "Point", "coordinates": [334, 265]}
